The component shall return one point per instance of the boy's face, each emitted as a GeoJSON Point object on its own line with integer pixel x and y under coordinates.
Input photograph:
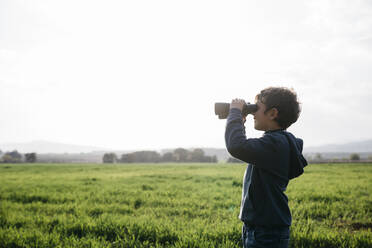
{"type": "Point", "coordinates": [265, 121]}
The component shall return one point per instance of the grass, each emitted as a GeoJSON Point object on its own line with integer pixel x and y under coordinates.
{"type": "Point", "coordinates": [172, 205]}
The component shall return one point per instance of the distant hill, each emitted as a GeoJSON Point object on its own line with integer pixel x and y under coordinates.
{"type": "Point", "coordinates": [48, 147]}
{"type": "Point", "coordinates": [358, 147]}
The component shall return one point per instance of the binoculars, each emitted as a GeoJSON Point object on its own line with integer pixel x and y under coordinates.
{"type": "Point", "coordinates": [222, 109]}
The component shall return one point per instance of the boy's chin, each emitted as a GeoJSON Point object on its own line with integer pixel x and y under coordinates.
{"type": "Point", "coordinates": [258, 128]}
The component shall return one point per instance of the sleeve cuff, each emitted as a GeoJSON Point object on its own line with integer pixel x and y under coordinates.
{"type": "Point", "coordinates": [235, 111]}
{"type": "Point", "coordinates": [235, 114]}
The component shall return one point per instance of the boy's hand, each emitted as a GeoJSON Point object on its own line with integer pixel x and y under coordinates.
{"type": "Point", "coordinates": [237, 103]}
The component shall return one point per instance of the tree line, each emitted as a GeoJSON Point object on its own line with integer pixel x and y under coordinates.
{"type": "Point", "coordinates": [16, 157]}
{"type": "Point", "coordinates": [177, 155]}
{"type": "Point", "coordinates": [318, 157]}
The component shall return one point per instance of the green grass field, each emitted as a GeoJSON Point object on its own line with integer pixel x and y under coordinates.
{"type": "Point", "coordinates": [172, 205]}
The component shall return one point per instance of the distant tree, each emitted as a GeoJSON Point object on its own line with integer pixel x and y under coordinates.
{"type": "Point", "coordinates": [6, 159]}
{"type": "Point", "coordinates": [127, 158]}
{"type": "Point", "coordinates": [318, 156]}
{"type": "Point", "coordinates": [209, 159]}
{"type": "Point", "coordinates": [141, 157]}
{"type": "Point", "coordinates": [354, 156]}
{"type": "Point", "coordinates": [197, 155]}
{"type": "Point", "coordinates": [109, 158]}
{"type": "Point", "coordinates": [147, 157]}
{"type": "Point", "coordinates": [178, 155]}
{"type": "Point", "coordinates": [181, 154]}
{"type": "Point", "coordinates": [30, 157]}
{"type": "Point", "coordinates": [168, 157]}
{"type": "Point", "coordinates": [214, 159]}
{"type": "Point", "coordinates": [12, 157]}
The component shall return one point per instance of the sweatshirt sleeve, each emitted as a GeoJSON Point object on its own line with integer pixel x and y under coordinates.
{"type": "Point", "coordinates": [258, 151]}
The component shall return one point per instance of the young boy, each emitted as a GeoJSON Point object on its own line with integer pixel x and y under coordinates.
{"type": "Point", "coordinates": [273, 160]}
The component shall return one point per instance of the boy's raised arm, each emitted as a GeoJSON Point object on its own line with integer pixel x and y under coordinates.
{"type": "Point", "coordinates": [258, 151]}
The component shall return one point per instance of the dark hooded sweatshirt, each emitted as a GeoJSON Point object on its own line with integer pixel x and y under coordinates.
{"type": "Point", "coordinates": [273, 160]}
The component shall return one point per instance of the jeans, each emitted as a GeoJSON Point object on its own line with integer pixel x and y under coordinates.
{"type": "Point", "coordinates": [262, 237]}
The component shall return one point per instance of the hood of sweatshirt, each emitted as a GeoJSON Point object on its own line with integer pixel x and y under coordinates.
{"type": "Point", "coordinates": [297, 160]}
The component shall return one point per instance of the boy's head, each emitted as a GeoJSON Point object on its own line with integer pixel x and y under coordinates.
{"type": "Point", "coordinates": [278, 108]}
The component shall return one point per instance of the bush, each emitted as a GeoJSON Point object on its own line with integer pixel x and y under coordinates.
{"type": "Point", "coordinates": [12, 157]}
{"type": "Point", "coordinates": [354, 156]}
{"type": "Point", "coordinates": [109, 158]}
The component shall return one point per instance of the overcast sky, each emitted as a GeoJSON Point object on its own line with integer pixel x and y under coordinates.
{"type": "Point", "coordinates": [145, 74]}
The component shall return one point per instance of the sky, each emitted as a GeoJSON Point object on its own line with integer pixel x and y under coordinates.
{"type": "Point", "coordinates": [145, 74]}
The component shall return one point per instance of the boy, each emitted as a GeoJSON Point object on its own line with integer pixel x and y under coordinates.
{"type": "Point", "coordinates": [273, 160]}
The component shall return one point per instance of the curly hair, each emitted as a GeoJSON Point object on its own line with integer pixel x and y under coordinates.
{"type": "Point", "coordinates": [284, 100]}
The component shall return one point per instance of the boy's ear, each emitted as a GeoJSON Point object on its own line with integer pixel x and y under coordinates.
{"type": "Point", "coordinates": [273, 113]}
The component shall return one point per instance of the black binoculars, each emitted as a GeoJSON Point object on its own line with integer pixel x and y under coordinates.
{"type": "Point", "coordinates": [222, 109]}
